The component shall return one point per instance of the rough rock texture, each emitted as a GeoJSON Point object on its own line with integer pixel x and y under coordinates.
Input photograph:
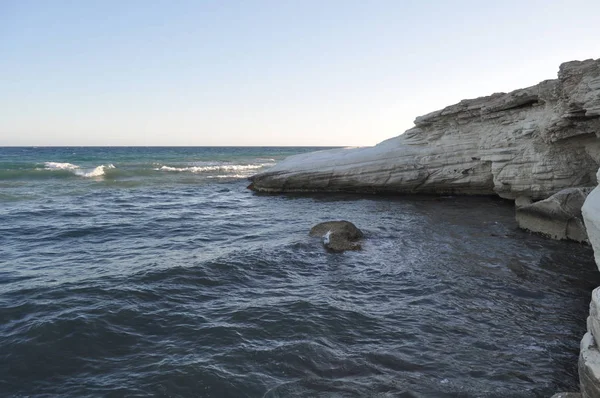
{"type": "Point", "coordinates": [531, 142]}
{"type": "Point", "coordinates": [338, 236]}
{"type": "Point", "coordinates": [589, 367]}
{"type": "Point", "coordinates": [589, 356]}
{"type": "Point", "coordinates": [567, 395]}
{"type": "Point", "coordinates": [558, 216]}
{"type": "Point", "coordinates": [591, 217]}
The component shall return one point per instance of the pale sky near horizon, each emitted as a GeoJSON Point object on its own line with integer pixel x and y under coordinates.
{"type": "Point", "coordinates": [272, 72]}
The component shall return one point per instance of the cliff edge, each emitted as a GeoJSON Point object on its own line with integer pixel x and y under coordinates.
{"type": "Point", "coordinates": [531, 142]}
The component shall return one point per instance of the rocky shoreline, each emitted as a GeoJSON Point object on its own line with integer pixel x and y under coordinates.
{"type": "Point", "coordinates": [589, 357]}
{"type": "Point", "coordinates": [531, 142]}
{"type": "Point", "coordinates": [538, 146]}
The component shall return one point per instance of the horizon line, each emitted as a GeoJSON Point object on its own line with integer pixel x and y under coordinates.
{"type": "Point", "coordinates": [182, 146]}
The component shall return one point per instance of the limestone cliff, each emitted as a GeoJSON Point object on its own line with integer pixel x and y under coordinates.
{"type": "Point", "coordinates": [531, 142]}
{"type": "Point", "coordinates": [558, 217]}
{"type": "Point", "coordinates": [589, 357]}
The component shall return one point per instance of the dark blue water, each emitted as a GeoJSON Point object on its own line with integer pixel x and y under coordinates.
{"type": "Point", "coordinates": [155, 272]}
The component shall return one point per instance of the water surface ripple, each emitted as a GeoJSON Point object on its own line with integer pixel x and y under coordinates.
{"type": "Point", "coordinates": [206, 289]}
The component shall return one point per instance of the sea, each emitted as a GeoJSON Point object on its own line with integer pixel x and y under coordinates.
{"type": "Point", "coordinates": [154, 271]}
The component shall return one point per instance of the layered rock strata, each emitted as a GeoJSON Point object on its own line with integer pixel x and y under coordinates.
{"type": "Point", "coordinates": [531, 142]}
{"type": "Point", "coordinates": [558, 217]}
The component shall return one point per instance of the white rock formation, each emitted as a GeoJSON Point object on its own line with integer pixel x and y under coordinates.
{"type": "Point", "coordinates": [591, 217]}
{"type": "Point", "coordinates": [589, 367]}
{"type": "Point", "coordinates": [558, 217]}
{"type": "Point", "coordinates": [589, 357]}
{"type": "Point", "coordinates": [531, 142]}
{"type": "Point", "coordinates": [567, 395]}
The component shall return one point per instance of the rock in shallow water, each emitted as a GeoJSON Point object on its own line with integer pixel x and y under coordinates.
{"type": "Point", "coordinates": [338, 236]}
{"type": "Point", "coordinates": [531, 142]}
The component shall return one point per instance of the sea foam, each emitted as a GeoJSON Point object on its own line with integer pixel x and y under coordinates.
{"type": "Point", "coordinates": [97, 172]}
{"type": "Point", "coordinates": [77, 170]}
{"type": "Point", "coordinates": [60, 166]}
{"type": "Point", "coordinates": [220, 167]}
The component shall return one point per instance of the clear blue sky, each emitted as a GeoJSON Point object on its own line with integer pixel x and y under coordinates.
{"type": "Point", "coordinates": [276, 72]}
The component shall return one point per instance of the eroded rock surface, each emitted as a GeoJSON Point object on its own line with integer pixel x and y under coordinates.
{"type": "Point", "coordinates": [589, 367]}
{"type": "Point", "coordinates": [558, 216]}
{"type": "Point", "coordinates": [589, 356]}
{"type": "Point", "coordinates": [531, 142]}
{"type": "Point", "coordinates": [591, 217]}
{"type": "Point", "coordinates": [338, 236]}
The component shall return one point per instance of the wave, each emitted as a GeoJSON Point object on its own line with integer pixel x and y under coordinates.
{"type": "Point", "coordinates": [60, 166]}
{"type": "Point", "coordinates": [219, 167]}
{"type": "Point", "coordinates": [98, 171]}
{"type": "Point", "coordinates": [234, 176]}
{"type": "Point", "coordinates": [108, 171]}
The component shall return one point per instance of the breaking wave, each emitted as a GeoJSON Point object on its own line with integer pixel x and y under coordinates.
{"type": "Point", "coordinates": [60, 166]}
{"type": "Point", "coordinates": [135, 170]}
{"type": "Point", "coordinates": [215, 168]}
{"type": "Point", "coordinates": [97, 172]}
{"type": "Point", "coordinates": [77, 170]}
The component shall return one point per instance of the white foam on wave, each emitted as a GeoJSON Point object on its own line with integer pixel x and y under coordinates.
{"type": "Point", "coordinates": [97, 172]}
{"type": "Point", "coordinates": [60, 166]}
{"type": "Point", "coordinates": [220, 167]}
{"type": "Point", "coordinates": [229, 176]}
{"type": "Point", "coordinates": [77, 170]}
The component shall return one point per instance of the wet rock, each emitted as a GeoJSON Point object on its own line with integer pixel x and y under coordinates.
{"type": "Point", "coordinates": [567, 395]}
{"type": "Point", "coordinates": [558, 216]}
{"type": "Point", "coordinates": [338, 236]}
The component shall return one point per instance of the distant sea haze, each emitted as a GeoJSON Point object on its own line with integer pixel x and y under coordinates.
{"type": "Point", "coordinates": [155, 271]}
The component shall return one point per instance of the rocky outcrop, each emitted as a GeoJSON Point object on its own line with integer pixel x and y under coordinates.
{"type": "Point", "coordinates": [531, 142]}
{"type": "Point", "coordinates": [338, 236]}
{"type": "Point", "coordinates": [558, 216]}
{"type": "Point", "coordinates": [589, 356]}
{"type": "Point", "coordinates": [591, 217]}
{"type": "Point", "coordinates": [589, 367]}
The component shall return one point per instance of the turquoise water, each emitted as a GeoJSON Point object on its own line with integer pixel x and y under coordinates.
{"type": "Point", "coordinates": [138, 164]}
{"type": "Point", "coordinates": [156, 272]}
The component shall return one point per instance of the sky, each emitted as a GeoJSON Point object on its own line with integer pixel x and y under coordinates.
{"type": "Point", "coordinates": [272, 72]}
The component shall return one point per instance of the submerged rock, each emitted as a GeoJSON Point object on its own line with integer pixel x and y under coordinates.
{"type": "Point", "coordinates": [531, 142]}
{"type": "Point", "coordinates": [338, 236]}
{"type": "Point", "coordinates": [558, 216]}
